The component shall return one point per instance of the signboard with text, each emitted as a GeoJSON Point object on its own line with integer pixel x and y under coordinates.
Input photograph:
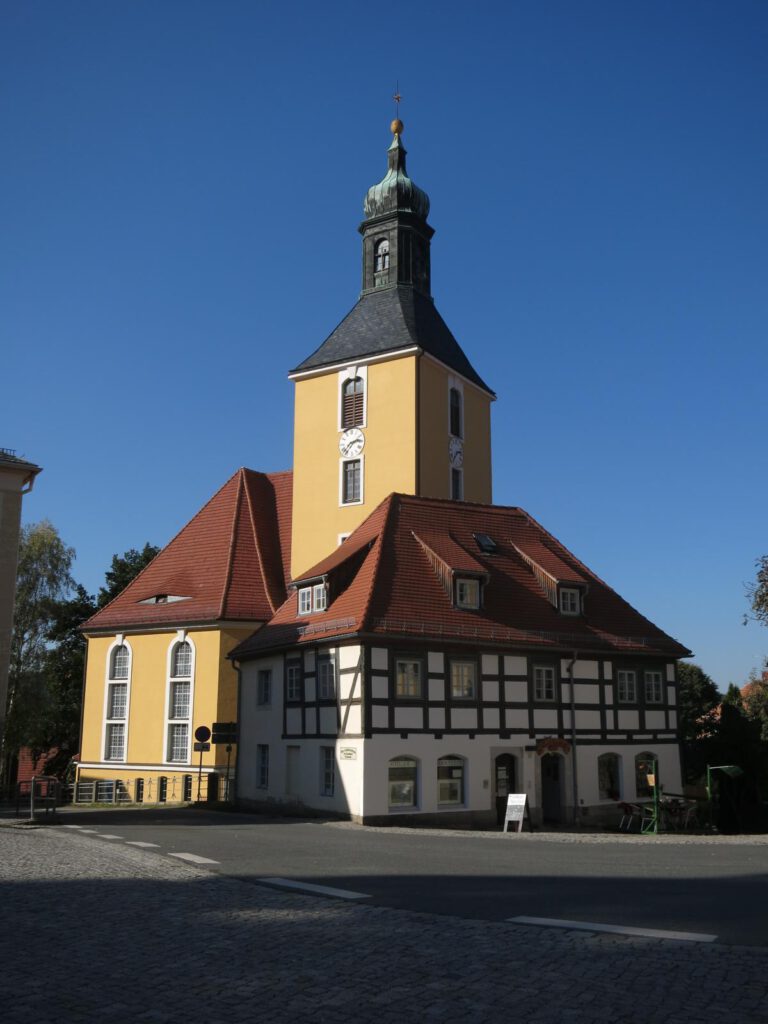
{"type": "Point", "coordinates": [517, 807]}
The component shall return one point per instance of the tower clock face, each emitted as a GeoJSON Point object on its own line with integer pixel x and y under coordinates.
{"type": "Point", "coordinates": [456, 452]}
{"type": "Point", "coordinates": [351, 442]}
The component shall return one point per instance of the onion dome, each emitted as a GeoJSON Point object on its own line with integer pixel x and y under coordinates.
{"type": "Point", "coordinates": [396, 192]}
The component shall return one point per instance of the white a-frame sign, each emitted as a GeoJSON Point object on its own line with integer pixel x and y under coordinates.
{"type": "Point", "coordinates": [517, 809]}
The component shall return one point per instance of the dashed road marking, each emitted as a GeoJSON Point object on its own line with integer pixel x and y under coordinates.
{"type": "Point", "coordinates": [72, 826]}
{"type": "Point", "coordinates": [322, 890]}
{"type": "Point", "coordinates": [137, 842]}
{"type": "Point", "coordinates": [615, 929]}
{"type": "Point", "coordinates": [90, 831]}
{"type": "Point", "coordinates": [104, 835]}
{"type": "Point", "coordinates": [193, 858]}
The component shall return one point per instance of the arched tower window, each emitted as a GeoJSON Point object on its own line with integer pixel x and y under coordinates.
{"type": "Point", "coordinates": [381, 255]}
{"type": "Point", "coordinates": [352, 403]}
{"type": "Point", "coordinates": [179, 702]}
{"type": "Point", "coordinates": [454, 396]}
{"type": "Point", "coordinates": [182, 660]}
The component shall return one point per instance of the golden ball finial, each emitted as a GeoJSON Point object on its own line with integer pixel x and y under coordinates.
{"type": "Point", "coordinates": [397, 127]}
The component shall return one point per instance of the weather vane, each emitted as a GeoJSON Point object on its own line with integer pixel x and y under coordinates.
{"type": "Point", "coordinates": [397, 97]}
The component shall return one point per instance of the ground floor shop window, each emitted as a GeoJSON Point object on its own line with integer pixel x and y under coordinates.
{"type": "Point", "coordinates": [402, 782]}
{"type": "Point", "coordinates": [609, 776]}
{"type": "Point", "coordinates": [450, 780]}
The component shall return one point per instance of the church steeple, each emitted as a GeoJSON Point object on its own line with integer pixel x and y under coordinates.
{"type": "Point", "coordinates": [395, 233]}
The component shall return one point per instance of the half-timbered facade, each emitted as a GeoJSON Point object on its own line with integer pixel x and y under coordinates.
{"type": "Point", "coordinates": [436, 666]}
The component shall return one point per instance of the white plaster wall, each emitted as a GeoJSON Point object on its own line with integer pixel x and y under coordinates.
{"type": "Point", "coordinates": [436, 689]}
{"type": "Point", "coordinates": [490, 664]}
{"type": "Point", "coordinates": [515, 665]}
{"type": "Point", "coordinates": [464, 718]}
{"type": "Point", "coordinates": [515, 690]}
{"type": "Point", "coordinates": [260, 724]}
{"type": "Point", "coordinates": [628, 720]}
{"type": "Point", "coordinates": [479, 755]}
{"type": "Point", "coordinates": [379, 687]}
{"type": "Point", "coordinates": [435, 662]}
{"type": "Point", "coordinates": [581, 669]}
{"type": "Point", "coordinates": [667, 755]}
{"type": "Point", "coordinates": [379, 658]}
{"type": "Point", "coordinates": [408, 718]}
{"type": "Point", "coordinates": [490, 690]}
{"type": "Point", "coordinates": [655, 720]}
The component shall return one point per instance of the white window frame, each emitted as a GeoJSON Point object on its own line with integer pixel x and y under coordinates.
{"type": "Point", "coordinates": [262, 766]}
{"type": "Point", "coordinates": [653, 686]}
{"type": "Point", "coordinates": [181, 637]}
{"type": "Point", "coordinates": [349, 373]}
{"type": "Point", "coordinates": [342, 463]}
{"type": "Point", "coordinates": [467, 593]}
{"type": "Point", "coordinates": [319, 597]}
{"type": "Point", "coordinates": [327, 771]}
{"type": "Point", "coordinates": [459, 471]}
{"type": "Point", "coordinates": [452, 763]}
{"type": "Point", "coordinates": [460, 683]}
{"type": "Point", "coordinates": [264, 687]}
{"type": "Point", "coordinates": [323, 692]}
{"type": "Point", "coordinates": [544, 683]}
{"type": "Point", "coordinates": [405, 693]}
{"type": "Point", "coordinates": [457, 384]}
{"type": "Point", "coordinates": [569, 601]}
{"type": "Point", "coordinates": [398, 762]}
{"type": "Point", "coordinates": [107, 720]}
{"type": "Point", "coordinates": [305, 600]}
{"type": "Point", "coordinates": [293, 684]}
{"type": "Point", "coordinates": [626, 686]}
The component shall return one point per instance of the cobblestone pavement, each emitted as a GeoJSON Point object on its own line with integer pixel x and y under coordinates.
{"type": "Point", "coordinates": [92, 931]}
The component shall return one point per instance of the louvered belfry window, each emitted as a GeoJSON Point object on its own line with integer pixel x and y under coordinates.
{"type": "Point", "coordinates": [352, 403]}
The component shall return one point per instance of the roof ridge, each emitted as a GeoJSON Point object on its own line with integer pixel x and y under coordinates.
{"type": "Point", "coordinates": [267, 583]}
{"type": "Point", "coordinates": [381, 539]}
{"type": "Point", "coordinates": [162, 550]}
{"type": "Point", "coordinates": [232, 542]}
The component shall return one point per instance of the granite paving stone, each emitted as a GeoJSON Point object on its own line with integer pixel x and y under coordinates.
{"type": "Point", "coordinates": [94, 931]}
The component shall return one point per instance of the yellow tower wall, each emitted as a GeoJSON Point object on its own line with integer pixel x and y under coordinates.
{"type": "Point", "coordinates": [389, 455]}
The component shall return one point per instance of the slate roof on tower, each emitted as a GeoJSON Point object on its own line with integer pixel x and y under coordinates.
{"type": "Point", "coordinates": [230, 562]}
{"type": "Point", "coordinates": [389, 578]}
{"type": "Point", "coordinates": [388, 320]}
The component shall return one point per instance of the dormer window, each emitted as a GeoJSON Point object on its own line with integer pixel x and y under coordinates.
{"type": "Point", "coordinates": [381, 255]}
{"type": "Point", "coordinates": [313, 599]}
{"type": "Point", "coordinates": [570, 601]}
{"type": "Point", "coordinates": [467, 593]}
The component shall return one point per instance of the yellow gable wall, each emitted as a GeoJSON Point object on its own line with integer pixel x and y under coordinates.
{"type": "Point", "coordinates": [214, 694]}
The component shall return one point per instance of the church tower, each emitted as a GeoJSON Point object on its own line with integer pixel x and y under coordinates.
{"type": "Point", "coordinates": [389, 401]}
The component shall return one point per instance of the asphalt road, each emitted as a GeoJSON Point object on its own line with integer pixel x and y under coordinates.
{"type": "Point", "coordinates": [690, 884]}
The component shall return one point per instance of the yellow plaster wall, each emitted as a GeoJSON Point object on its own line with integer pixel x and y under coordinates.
{"type": "Point", "coordinates": [215, 696]}
{"type": "Point", "coordinates": [434, 434]}
{"type": "Point", "coordinates": [389, 455]}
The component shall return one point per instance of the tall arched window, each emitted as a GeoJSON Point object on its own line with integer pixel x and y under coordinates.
{"type": "Point", "coordinates": [402, 782]}
{"type": "Point", "coordinates": [179, 702]}
{"type": "Point", "coordinates": [116, 709]}
{"type": "Point", "coordinates": [352, 403]}
{"type": "Point", "coordinates": [381, 255]}
{"type": "Point", "coordinates": [644, 766]}
{"type": "Point", "coordinates": [609, 776]}
{"type": "Point", "coordinates": [119, 666]}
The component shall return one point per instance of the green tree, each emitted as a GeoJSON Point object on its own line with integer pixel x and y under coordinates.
{"type": "Point", "coordinates": [757, 592]}
{"type": "Point", "coordinates": [698, 703]}
{"type": "Point", "coordinates": [43, 580]}
{"type": "Point", "coordinates": [123, 570]}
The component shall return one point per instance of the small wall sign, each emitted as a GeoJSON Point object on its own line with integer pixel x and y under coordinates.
{"type": "Point", "coordinates": [347, 754]}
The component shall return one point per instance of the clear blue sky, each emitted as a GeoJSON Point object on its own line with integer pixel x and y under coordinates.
{"type": "Point", "coordinates": [180, 188]}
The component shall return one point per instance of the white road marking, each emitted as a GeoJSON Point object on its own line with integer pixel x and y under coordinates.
{"type": "Point", "coordinates": [90, 831]}
{"type": "Point", "coordinates": [193, 858]}
{"type": "Point", "coordinates": [72, 826]}
{"type": "Point", "coordinates": [136, 842]}
{"type": "Point", "coordinates": [615, 929]}
{"type": "Point", "coordinates": [103, 835]}
{"type": "Point", "coordinates": [323, 890]}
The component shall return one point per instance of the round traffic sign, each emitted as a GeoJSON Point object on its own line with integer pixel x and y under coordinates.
{"type": "Point", "coordinates": [202, 734]}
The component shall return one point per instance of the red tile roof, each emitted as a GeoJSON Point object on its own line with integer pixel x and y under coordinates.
{"type": "Point", "coordinates": [230, 562]}
{"type": "Point", "coordinates": [395, 591]}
